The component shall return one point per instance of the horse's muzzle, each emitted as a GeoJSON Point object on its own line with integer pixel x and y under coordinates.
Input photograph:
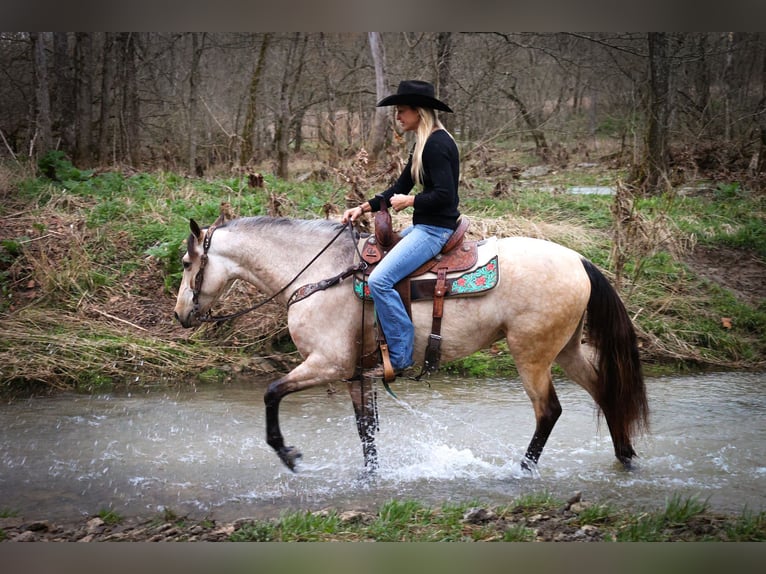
{"type": "Point", "coordinates": [186, 322]}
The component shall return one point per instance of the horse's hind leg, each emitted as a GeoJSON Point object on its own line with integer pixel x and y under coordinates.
{"type": "Point", "coordinates": [538, 384]}
{"type": "Point", "coordinates": [581, 370]}
{"type": "Point", "coordinates": [365, 408]}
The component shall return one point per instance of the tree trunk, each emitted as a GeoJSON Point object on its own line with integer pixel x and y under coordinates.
{"type": "Point", "coordinates": [541, 144]}
{"type": "Point", "coordinates": [44, 131]}
{"type": "Point", "coordinates": [329, 136]}
{"type": "Point", "coordinates": [380, 120]}
{"type": "Point", "coordinates": [728, 86]}
{"type": "Point", "coordinates": [107, 86]}
{"type": "Point", "coordinates": [198, 40]}
{"type": "Point", "coordinates": [63, 91]}
{"type": "Point", "coordinates": [83, 75]}
{"type": "Point", "coordinates": [130, 117]}
{"type": "Point", "coordinates": [761, 111]}
{"type": "Point", "coordinates": [702, 81]}
{"type": "Point", "coordinates": [659, 112]}
{"type": "Point", "coordinates": [293, 68]}
{"type": "Point", "coordinates": [297, 128]}
{"type": "Point", "coordinates": [249, 133]}
{"type": "Point", "coordinates": [443, 69]}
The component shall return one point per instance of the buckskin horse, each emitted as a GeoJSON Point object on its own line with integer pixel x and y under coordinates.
{"type": "Point", "coordinates": [548, 302]}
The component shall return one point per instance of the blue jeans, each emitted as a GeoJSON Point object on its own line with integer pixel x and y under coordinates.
{"type": "Point", "coordinates": [419, 244]}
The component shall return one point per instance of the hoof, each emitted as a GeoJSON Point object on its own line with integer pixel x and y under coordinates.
{"type": "Point", "coordinates": [529, 467]}
{"type": "Point", "coordinates": [371, 468]}
{"type": "Point", "coordinates": [289, 456]}
{"type": "Point", "coordinates": [366, 477]}
{"type": "Point", "coordinates": [627, 462]}
{"type": "Point", "coordinates": [625, 455]}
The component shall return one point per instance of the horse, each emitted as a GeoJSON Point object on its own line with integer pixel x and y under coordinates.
{"type": "Point", "coordinates": [550, 303]}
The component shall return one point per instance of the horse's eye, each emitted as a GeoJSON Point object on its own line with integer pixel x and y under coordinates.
{"type": "Point", "coordinates": [186, 264]}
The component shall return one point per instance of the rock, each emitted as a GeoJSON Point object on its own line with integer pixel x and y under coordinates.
{"type": "Point", "coordinates": [352, 517]}
{"type": "Point", "coordinates": [94, 525]}
{"type": "Point", "coordinates": [578, 507]}
{"type": "Point", "coordinates": [226, 531]}
{"type": "Point", "coordinates": [26, 536]}
{"type": "Point", "coordinates": [11, 522]}
{"type": "Point", "coordinates": [576, 497]}
{"type": "Point", "coordinates": [478, 515]}
{"type": "Point", "coordinates": [536, 171]}
{"type": "Point", "coordinates": [38, 526]}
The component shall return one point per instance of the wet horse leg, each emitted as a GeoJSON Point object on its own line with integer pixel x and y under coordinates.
{"type": "Point", "coordinates": [581, 370]}
{"type": "Point", "coordinates": [274, 395]}
{"type": "Point", "coordinates": [365, 408]}
{"type": "Point", "coordinates": [304, 376]}
{"type": "Point", "coordinates": [539, 387]}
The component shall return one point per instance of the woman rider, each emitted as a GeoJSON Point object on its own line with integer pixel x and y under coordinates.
{"type": "Point", "coordinates": [434, 164]}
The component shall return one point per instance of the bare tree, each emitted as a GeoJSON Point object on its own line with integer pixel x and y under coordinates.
{"type": "Point", "coordinates": [760, 168]}
{"type": "Point", "coordinates": [381, 117]}
{"type": "Point", "coordinates": [130, 118]}
{"type": "Point", "coordinates": [443, 71]}
{"type": "Point", "coordinates": [294, 59]}
{"type": "Point", "coordinates": [165, 96]}
{"type": "Point", "coordinates": [108, 70]}
{"type": "Point", "coordinates": [541, 144]}
{"type": "Point", "coordinates": [657, 152]}
{"type": "Point", "coordinates": [249, 133]}
{"type": "Point", "coordinates": [44, 131]}
{"type": "Point", "coordinates": [83, 76]}
{"type": "Point", "coordinates": [198, 42]}
{"type": "Point", "coordinates": [63, 92]}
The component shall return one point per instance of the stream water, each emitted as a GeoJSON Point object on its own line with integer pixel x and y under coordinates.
{"type": "Point", "coordinates": [201, 451]}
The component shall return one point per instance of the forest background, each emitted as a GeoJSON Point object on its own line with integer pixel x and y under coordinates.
{"type": "Point", "coordinates": [203, 101]}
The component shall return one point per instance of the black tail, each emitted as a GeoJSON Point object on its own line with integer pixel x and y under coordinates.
{"type": "Point", "coordinates": [621, 393]}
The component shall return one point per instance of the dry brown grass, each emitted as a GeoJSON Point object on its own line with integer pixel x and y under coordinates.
{"type": "Point", "coordinates": [62, 349]}
{"type": "Point", "coordinates": [482, 226]}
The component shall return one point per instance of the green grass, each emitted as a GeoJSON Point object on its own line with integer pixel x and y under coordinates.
{"type": "Point", "coordinates": [731, 216]}
{"type": "Point", "coordinates": [109, 516]}
{"type": "Point", "coordinates": [128, 223]}
{"type": "Point", "coordinates": [684, 518]}
{"type": "Point", "coordinates": [658, 526]}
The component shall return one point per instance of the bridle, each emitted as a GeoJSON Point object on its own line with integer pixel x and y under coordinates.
{"type": "Point", "coordinates": [197, 287]}
{"type": "Point", "coordinates": [199, 277]}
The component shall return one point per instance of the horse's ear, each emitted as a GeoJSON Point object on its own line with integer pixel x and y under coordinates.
{"type": "Point", "coordinates": [195, 229]}
{"type": "Point", "coordinates": [221, 219]}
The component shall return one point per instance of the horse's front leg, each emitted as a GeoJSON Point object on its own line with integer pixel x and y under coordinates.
{"type": "Point", "coordinates": [274, 395]}
{"type": "Point", "coordinates": [315, 370]}
{"type": "Point", "coordinates": [365, 409]}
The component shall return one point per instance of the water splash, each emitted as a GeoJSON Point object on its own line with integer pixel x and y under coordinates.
{"type": "Point", "coordinates": [204, 451]}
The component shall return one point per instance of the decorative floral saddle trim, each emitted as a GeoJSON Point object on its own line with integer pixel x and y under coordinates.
{"type": "Point", "coordinates": [475, 281]}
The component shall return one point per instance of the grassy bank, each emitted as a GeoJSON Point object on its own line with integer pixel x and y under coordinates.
{"type": "Point", "coordinates": [537, 517]}
{"type": "Point", "coordinates": [89, 261]}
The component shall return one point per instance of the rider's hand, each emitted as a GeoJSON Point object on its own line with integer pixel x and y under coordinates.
{"type": "Point", "coordinates": [352, 214]}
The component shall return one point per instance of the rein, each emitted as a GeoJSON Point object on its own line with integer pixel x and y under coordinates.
{"type": "Point", "coordinates": [218, 319]}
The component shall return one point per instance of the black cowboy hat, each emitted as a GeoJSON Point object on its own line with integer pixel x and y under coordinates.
{"type": "Point", "coordinates": [415, 93]}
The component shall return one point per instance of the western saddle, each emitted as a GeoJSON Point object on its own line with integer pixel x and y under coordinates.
{"type": "Point", "coordinates": [456, 255]}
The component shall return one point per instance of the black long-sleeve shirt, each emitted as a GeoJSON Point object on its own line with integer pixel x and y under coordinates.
{"type": "Point", "coordinates": [437, 203]}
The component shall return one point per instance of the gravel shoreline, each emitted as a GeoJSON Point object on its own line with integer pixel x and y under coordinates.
{"type": "Point", "coordinates": [563, 524]}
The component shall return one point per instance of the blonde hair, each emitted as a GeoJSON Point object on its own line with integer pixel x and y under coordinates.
{"type": "Point", "coordinates": [428, 123]}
